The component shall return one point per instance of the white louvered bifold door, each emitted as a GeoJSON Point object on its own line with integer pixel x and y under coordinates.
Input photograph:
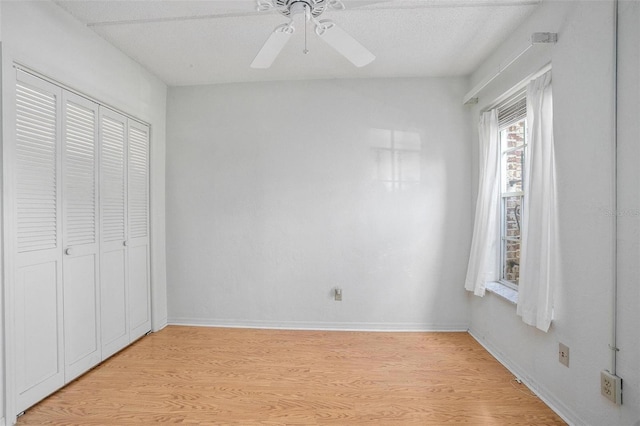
{"type": "Point", "coordinates": [37, 292]}
{"type": "Point", "coordinates": [80, 235]}
{"type": "Point", "coordinates": [113, 225]}
{"type": "Point", "coordinates": [138, 229]}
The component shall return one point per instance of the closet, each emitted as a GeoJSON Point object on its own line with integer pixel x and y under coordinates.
{"type": "Point", "coordinates": [79, 206]}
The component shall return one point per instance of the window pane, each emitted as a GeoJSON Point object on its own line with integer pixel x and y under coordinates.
{"type": "Point", "coordinates": [512, 170]}
{"type": "Point", "coordinates": [511, 263]}
{"type": "Point", "coordinates": [513, 143]}
{"type": "Point", "coordinates": [512, 207]}
{"type": "Point", "coordinates": [513, 212]}
{"type": "Point", "coordinates": [513, 135]}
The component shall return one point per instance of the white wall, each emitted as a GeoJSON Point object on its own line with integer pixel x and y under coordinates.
{"type": "Point", "coordinates": [274, 198]}
{"type": "Point", "coordinates": [48, 40]}
{"type": "Point", "coordinates": [583, 126]}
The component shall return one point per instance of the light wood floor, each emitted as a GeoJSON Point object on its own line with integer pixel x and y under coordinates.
{"type": "Point", "coordinates": [207, 376]}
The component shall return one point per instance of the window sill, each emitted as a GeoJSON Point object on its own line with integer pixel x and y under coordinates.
{"type": "Point", "coordinates": [508, 294]}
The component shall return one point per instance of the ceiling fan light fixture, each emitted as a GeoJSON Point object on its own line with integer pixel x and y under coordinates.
{"type": "Point", "coordinates": [298, 8]}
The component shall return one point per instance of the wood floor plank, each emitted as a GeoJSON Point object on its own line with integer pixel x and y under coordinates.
{"type": "Point", "coordinates": [219, 376]}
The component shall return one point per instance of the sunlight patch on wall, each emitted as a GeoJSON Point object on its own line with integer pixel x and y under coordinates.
{"type": "Point", "coordinates": [396, 158]}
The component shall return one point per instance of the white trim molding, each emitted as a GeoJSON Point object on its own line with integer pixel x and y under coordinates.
{"type": "Point", "coordinates": [320, 325]}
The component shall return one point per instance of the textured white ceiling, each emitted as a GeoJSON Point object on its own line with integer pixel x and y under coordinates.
{"type": "Point", "coordinates": [214, 41]}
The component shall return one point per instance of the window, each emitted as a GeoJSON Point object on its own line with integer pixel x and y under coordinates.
{"type": "Point", "coordinates": [512, 123]}
{"type": "Point", "coordinates": [516, 209]}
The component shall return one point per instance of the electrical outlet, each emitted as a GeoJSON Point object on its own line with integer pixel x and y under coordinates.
{"type": "Point", "coordinates": [611, 387]}
{"type": "Point", "coordinates": [563, 354]}
{"type": "Point", "coordinates": [337, 294]}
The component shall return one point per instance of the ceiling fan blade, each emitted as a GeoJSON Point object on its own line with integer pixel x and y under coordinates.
{"type": "Point", "coordinates": [272, 47]}
{"type": "Point", "coordinates": [346, 45]}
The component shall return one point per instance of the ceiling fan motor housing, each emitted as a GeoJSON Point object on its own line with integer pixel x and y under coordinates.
{"type": "Point", "coordinates": [289, 7]}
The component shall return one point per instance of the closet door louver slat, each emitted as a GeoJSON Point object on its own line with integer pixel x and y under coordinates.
{"type": "Point", "coordinates": [113, 183]}
{"type": "Point", "coordinates": [79, 172]}
{"type": "Point", "coordinates": [36, 167]}
{"type": "Point", "coordinates": [138, 182]}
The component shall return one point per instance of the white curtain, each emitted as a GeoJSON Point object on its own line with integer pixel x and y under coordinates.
{"type": "Point", "coordinates": [483, 259]}
{"type": "Point", "coordinates": [539, 248]}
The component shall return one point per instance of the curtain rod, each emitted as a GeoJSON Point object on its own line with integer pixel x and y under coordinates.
{"type": "Point", "coordinates": [536, 38]}
{"type": "Point", "coordinates": [518, 87]}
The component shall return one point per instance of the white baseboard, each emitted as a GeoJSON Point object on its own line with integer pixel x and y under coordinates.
{"type": "Point", "coordinates": [320, 326]}
{"type": "Point", "coordinates": [155, 330]}
{"type": "Point", "coordinates": [557, 406]}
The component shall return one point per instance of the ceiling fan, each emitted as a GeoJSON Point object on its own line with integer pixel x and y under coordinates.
{"type": "Point", "coordinates": [326, 29]}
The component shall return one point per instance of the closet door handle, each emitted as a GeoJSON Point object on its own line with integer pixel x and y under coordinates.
{"type": "Point", "coordinates": [125, 243]}
{"type": "Point", "coordinates": [68, 251]}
